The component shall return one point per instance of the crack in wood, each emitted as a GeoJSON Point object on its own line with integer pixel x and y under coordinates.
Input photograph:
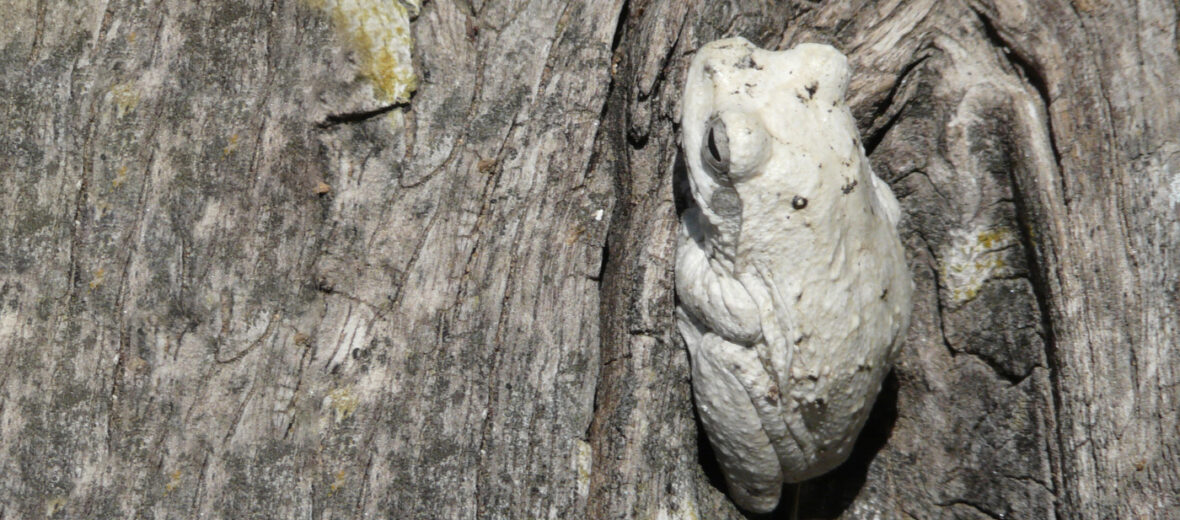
{"type": "Point", "coordinates": [974, 507]}
{"type": "Point", "coordinates": [871, 141]}
{"type": "Point", "coordinates": [362, 116]}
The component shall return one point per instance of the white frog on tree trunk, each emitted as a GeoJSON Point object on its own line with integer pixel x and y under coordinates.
{"type": "Point", "coordinates": [794, 294]}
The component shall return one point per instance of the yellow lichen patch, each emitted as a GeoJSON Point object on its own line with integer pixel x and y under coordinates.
{"type": "Point", "coordinates": [343, 402]}
{"type": "Point", "coordinates": [125, 98]}
{"type": "Point", "coordinates": [173, 482]}
{"type": "Point", "coordinates": [120, 177]}
{"type": "Point", "coordinates": [137, 364]}
{"type": "Point", "coordinates": [379, 32]}
{"type": "Point", "coordinates": [583, 465]}
{"type": "Point", "coordinates": [97, 279]}
{"type": "Point", "coordinates": [103, 207]}
{"type": "Point", "coordinates": [1086, 6]}
{"type": "Point", "coordinates": [54, 504]}
{"type": "Point", "coordinates": [338, 483]}
{"type": "Point", "coordinates": [230, 146]}
{"type": "Point", "coordinates": [971, 259]}
{"type": "Point", "coordinates": [575, 234]}
{"type": "Point", "coordinates": [486, 166]}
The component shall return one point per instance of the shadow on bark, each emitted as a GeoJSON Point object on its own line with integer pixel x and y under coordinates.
{"type": "Point", "coordinates": [829, 495]}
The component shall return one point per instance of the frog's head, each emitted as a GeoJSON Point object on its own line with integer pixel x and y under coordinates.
{"type": "Point", "coordinates": [756, 123]}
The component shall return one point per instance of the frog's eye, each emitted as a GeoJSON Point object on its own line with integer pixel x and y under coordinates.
{"type": "Point", "coordinates": [715, 149]}
{"type": "Point", "coordinates": [734, 147]}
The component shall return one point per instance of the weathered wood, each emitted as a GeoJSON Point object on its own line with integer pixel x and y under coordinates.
{"type": "Point", "coordinates": [236, 282]}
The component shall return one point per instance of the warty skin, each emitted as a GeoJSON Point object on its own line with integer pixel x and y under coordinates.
{"type": "Point", "coordinates": [794, 293]}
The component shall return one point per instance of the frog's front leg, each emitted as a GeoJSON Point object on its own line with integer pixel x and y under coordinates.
{"type": "Point", "coordinates": [707, 288]}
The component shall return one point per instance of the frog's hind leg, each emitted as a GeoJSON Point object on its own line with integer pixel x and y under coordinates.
{"type": "Point", "coordinates": [723, 376]}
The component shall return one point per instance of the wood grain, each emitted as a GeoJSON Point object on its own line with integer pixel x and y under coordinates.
{"type": "Point", "coordinates": [236, 284]}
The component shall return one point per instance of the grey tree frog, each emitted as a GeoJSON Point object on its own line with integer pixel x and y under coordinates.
{"type": "Point", "coordinates": [793, 289]}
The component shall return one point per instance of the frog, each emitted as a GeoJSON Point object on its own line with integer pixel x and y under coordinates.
{"type": "Point", "coordinates": [792, 284]}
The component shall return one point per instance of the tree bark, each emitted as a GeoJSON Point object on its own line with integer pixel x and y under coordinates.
{"type": "Point", "coordinates": [238, 282]}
